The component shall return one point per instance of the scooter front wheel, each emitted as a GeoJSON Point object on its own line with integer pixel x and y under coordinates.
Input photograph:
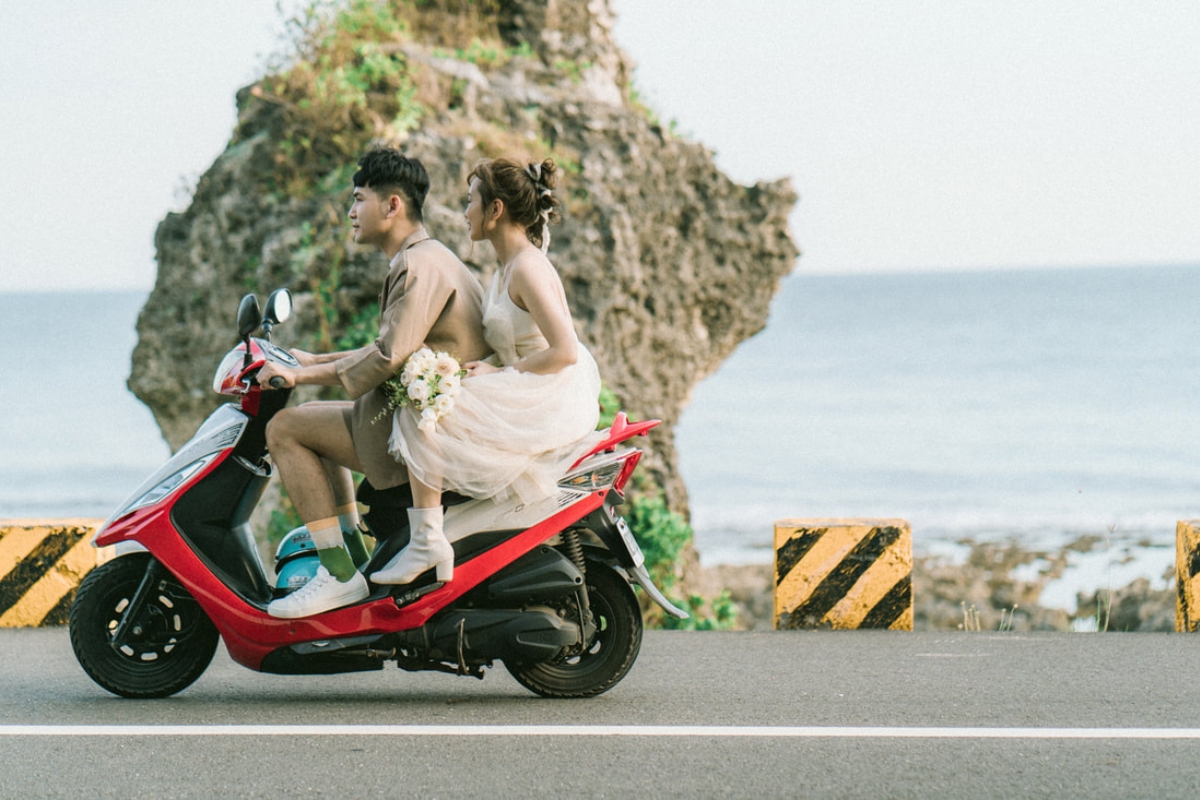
{"type": "Point", "coordinates": [164, 649]}
{"type": "Point", "coordinates": [609, 655]}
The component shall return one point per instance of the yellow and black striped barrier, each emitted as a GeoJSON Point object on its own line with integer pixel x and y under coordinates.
{"type": "Point", "coordinates": [42, 563]}
{"type": "Point", "coordinates": [843, 574]}
{"type": "Point", "coordinates": [1187, 575]}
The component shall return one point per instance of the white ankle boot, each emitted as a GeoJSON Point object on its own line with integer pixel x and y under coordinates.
{"type": "Point", "coordinates": [427, 548]}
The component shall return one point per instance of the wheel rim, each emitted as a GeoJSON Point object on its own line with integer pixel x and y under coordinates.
{"type": "Point", "coordinates": [594, 655]}
{"type": "Point", "coordinates": [156, 636]}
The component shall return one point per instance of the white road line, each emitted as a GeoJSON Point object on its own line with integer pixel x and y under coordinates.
{"type": "Point", "coordinates": [698, 731]}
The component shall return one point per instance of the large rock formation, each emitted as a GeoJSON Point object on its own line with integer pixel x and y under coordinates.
{"type": "Point", "coordinates": [667, 263]}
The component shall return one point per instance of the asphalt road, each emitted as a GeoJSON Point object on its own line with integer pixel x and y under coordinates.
{"type": "Point", "coordinates": [788, 714]}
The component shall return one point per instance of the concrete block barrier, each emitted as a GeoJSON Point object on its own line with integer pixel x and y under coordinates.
{"type": "Point", "coordinates": [1187, 575]}
{"type": "Point", "coordinates": [843, 574]}
{"type": "Point", "coordinates": [42, 563]}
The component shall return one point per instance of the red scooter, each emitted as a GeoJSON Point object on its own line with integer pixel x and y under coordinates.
{"type": "Point", "coordinates": [545, 589]}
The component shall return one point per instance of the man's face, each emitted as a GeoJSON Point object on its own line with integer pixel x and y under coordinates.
{"type": "Point", "coordinates": [369, 216]}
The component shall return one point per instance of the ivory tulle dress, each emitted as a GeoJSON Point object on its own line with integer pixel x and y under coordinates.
{"type": "Point", "coordinates": [510, 433]}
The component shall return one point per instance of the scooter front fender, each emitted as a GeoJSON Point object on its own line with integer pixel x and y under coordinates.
{"type": "Point", "coordinates": [131, 532]}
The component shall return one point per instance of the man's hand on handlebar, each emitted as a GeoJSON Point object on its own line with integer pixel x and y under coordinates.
{"type": "Point", "coordinates": [275, 376]}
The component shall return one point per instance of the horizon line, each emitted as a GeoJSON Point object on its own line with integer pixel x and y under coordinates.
{"type": "Point", "coordinates": [946, 269]}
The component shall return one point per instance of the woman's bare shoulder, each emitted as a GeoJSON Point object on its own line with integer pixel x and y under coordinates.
{"type": "Point", "coordinates": [532, 266]}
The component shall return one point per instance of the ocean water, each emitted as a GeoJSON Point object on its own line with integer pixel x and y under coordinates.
{"type": "Point", "coordinates": [1039, 406]}
{"type": "Point", "coordinates": [74, 441]}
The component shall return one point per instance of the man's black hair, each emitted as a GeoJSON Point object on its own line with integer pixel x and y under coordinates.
{"type": "Point", "coordinates": [386, 171]}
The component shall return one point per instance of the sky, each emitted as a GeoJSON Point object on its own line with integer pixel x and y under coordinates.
{"type": "Point", "coordinates": [919, 136]}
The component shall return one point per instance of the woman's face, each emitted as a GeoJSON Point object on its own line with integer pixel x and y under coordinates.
{"type": "Point", "coordinates": [476, 213]}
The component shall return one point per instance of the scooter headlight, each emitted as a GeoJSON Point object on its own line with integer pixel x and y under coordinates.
{"type": "Point", "coordinates": [169, 484]}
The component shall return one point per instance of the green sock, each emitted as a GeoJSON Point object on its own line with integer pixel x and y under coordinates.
{"type": "Point", "coordinates": [327, 536]}
{"type": "Point", "coordinates": [337, 560]}
{"type": "Point", "coordinates": [356, 546]}
{"type": "Point", "coordinates": [348, 520]}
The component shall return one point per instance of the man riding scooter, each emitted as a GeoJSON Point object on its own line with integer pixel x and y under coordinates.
{"type": "Point", "coordinates": [430, 298]}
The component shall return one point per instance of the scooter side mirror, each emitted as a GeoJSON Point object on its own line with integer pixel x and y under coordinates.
{"type": "Point", "coordinates": [248, 316]}
{"type": "Point", "coordinates": [279, 306]}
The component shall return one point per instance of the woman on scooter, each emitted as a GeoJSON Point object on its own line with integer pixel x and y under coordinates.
{"type": "Point", "coordinates": [525, 414]}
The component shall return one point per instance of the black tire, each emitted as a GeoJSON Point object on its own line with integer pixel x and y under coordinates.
{"type": "Point", "coordinates": [611, 654]}
{"type": "Point", "coordinates": [174, 647]}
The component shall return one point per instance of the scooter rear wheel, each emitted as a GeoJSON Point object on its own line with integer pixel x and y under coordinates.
{"type": "Point", "coordinates": [612, 652]}
{"type": "Point", "coordinates": [170, 647]}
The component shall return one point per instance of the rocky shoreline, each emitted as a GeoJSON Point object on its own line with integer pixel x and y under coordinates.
{"type": "Point", "coordinates": [995, 588]}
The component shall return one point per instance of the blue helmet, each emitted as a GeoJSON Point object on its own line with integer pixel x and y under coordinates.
{"type": "Point", "coordinates": [296, 561]}
{"type": "Point", "coordinates": [294, 574]}
{"type": "Point", "coordinates": [297, 542]}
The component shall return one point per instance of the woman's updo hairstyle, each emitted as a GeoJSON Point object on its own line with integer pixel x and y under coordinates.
{"type": "Point", "coordinates": [526, 191]}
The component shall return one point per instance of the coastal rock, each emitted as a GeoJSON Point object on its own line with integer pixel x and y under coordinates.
{"type": "Point", "coordinates": [1136, 607]}
{"type": "Point", "coordinates": [667, 263]}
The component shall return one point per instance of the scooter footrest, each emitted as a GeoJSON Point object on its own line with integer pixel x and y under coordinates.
{"type": "Point", "coordinates": [412, 595]}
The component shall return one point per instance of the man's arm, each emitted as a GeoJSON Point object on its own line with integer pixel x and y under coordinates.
{"type": "Point", "coordinates": [315, 375]}
{"type": "Point", "coordinates": [404, 327]}
{"type": "Point", "coordinates": [318, 369]}
{"type": "Point", "coordinates": [307, 359]}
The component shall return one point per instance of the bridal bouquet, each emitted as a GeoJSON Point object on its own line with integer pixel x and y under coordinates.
{"type": "Point", "coordinates": [428, 383]}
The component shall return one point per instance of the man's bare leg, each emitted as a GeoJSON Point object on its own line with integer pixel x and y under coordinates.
{"type": "Point", "coordinates": [341, 482]}
{"type": "Point", "coordinates": [302, 441]}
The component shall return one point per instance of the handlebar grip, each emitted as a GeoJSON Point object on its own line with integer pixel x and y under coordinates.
{"type": "Point", "coordinates": [277, 382]}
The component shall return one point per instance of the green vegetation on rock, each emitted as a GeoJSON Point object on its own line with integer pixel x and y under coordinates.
{"type": "Point", "coordinates": [347, 84]}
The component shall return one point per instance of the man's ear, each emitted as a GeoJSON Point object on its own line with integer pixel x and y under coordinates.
{"type": "Point", "coordinates": [396, 206]}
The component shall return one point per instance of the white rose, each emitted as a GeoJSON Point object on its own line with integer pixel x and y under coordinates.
{"type": "Point", "coordinates": [450, 384]}
{"type": "Point", "coordinates": [442, 404]}
{"type": "Point", "coordinates": [421, 361]}
{"type": "Point", "coordinates": [428, 421]}
{"type": "Point", "coordinates": [407, 375]}
{"type": "Point", "coordinates": [418, 392]}
{"type": "Point", "coordinates": [445, 365]}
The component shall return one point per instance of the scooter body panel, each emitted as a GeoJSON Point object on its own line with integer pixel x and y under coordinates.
{"type": "Point", "coordinates": [250, 634]}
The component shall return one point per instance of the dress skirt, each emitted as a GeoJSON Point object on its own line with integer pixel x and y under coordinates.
{"type": "Point", "coordinates": [509, 433]}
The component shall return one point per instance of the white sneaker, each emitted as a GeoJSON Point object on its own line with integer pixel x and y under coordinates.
{"type": "Point", "coordinates": [323, 593]}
